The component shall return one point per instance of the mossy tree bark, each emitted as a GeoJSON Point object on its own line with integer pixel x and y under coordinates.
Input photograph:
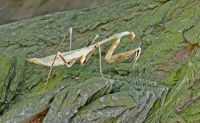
{"type": "Point", "coordinates": [163, 86]}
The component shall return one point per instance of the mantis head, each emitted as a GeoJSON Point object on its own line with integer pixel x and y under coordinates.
{"type": "Point", "coordinates": [131, 35]}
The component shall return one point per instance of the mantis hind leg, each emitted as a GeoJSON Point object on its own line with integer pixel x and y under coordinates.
{"type": "Point", "coordinates": [68, 64]}
{"type": "Point", "coordinates": [51, 68]}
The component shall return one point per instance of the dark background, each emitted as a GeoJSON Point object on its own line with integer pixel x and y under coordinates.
{"type": "Point", "coordinates": [15, 10]}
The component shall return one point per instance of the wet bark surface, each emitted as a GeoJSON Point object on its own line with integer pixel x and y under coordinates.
{"type": "Point", "coordinates": [163, 85]}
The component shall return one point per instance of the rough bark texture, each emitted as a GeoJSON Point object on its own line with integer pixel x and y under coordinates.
{"type": "Point", "coordinates": [163, 86]}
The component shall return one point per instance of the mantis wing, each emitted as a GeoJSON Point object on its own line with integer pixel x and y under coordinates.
{"type": "Point", "coordinates": [68, 56]}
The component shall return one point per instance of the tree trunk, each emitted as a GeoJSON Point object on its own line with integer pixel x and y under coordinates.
{"type": "Point", "coordinates": [162, 86]}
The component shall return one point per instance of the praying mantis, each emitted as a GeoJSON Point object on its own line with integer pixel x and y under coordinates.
{"type": "Point", "coordinates": [70, 57]}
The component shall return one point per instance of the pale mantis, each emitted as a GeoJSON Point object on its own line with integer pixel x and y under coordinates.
{"type": "Point", "coordinates": [69, 58]}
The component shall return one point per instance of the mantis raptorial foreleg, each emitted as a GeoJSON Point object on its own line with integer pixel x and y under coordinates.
{"type": "Point", "coordinates": [109, 54]}
{"type": "Point", "coordinates": [125, 55]}
{"type": "Point", "coordinates": [121, 56]}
